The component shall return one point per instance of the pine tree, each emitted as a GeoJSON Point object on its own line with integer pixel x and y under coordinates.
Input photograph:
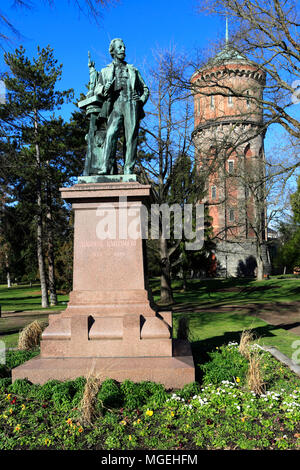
{"type": "Point", "coordinates": [31, 97]}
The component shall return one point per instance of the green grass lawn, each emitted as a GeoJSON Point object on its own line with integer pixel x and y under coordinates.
{"type": "Point", "coordinates": [19, 299]}
{"type": "Point", "coordinates": [210, 330]}
{"type": "Point", "coordinates": [232, 291]}
{"type": "Point", "coordinates": [210, 292]}
{"type": "Point", "coordinates": [207, 329]}
{"type": "Point", "coordinates": [24, 297]}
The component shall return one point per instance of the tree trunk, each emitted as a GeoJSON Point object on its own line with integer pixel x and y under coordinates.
{"type": "Point", "coordinates": [41, 262]}
{"type": "Point", "coordinates": [40, 254]}
{"type": "Point", "coordinates": [8, 279]}
{"type": "Point", "coordinates": [7, 271]}
{"type": "Point", "coordinates": [166, 294]}
{"type": "Point", "coordinates": [51, 264]}
{"type": "Point", "coordinates": [260, 262]}
{"type": "Point", "coordinates": [51, 274]}
{"type": "Point", "coordinates": [184, 281]}
{"type": "Point", "coordinates": [260, 269]}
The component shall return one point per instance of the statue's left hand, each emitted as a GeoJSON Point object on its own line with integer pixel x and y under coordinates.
{"type": "Point", "coordinates": [136, 97]}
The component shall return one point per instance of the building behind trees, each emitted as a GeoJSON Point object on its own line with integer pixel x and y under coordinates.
{"type": "Point", "coordinates": [229, 146]}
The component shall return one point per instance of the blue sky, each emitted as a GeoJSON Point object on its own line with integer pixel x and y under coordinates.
{"type": "Point", "coordinates": [142, 24]}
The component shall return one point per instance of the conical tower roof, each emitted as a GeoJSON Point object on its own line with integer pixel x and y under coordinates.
{"type": "Point", "coordinates": [228, 54]}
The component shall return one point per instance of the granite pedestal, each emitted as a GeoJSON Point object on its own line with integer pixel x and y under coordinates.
{"type": "Point", "coordinates": [111, 327]}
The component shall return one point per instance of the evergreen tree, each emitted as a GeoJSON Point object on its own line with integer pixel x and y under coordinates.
{"type": "Point", "coordinates": [288, 256]}
{"type": "Point", "coordinates": [295, 203]}
{"type": "Point", "coordinates": [31, 97]}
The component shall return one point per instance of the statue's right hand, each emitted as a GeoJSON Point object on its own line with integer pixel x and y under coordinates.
{"type": "Point", "coordinates": [108, 86]}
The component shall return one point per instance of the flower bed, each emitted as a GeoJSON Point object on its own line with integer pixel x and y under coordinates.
{"type": "Point", "coordinates": [220, 413]}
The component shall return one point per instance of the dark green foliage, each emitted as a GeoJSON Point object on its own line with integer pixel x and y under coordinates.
{"type": "Point", "coordinates": [110, 394]}
{"type": "Point", "coordinates": [16, 358]}
{"type": "Point", "coordinates": [66, 395]}
{"type": "Point", "coordinates": [140, 394]}
{"type": "Point", "coordinates": [295, 202]}
{"type": "Point", "coordinates": [276, 377]}
{"type": "Point", "coordinates": [21, 387]}
{"type": "Point", "coordinates": [131, 395]}
{"type": "Point", "coordinates": [78, 388]}
{"type": "Point", "coordinates": [288, 252]}
{"type": "Point", "coordinates": [4, 371]}
{"type": "Point", "coordinates": [225, 364]}
{"type": "Point", "coordinates": [63, 395]}
{"type": "Point", "coordinates": [4, 384]}
{"type": "Point", "coordinates": [44, 392]}
{"type": "Point", "coordinates": [43, 154]}
{"type": "Point", "coordinates": [189, 390]}
{"type": "Point", "coordinates": [158, 398]}
{"type": "Point", "coordinates": [143, 416]}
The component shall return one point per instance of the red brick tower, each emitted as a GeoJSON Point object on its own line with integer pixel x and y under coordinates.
{"type": "Point", "coordinates": [229, 145]}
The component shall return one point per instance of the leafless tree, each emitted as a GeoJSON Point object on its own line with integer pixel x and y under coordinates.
{"type": "Point", "coordinates": [168, 126]}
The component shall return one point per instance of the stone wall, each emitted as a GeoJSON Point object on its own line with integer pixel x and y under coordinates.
{"type": "Point", "coordinates": [239, 259]}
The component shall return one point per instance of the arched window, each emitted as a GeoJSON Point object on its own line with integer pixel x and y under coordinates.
{"type": "Point", "coordinates": [247, 151]}
{"type": "Point", "coordinates": [248, 99]}
{"type": "Point", "coordinates": [230, 166]}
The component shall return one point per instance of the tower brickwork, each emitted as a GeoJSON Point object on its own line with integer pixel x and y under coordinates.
{"type": "Point", "coordinates": [229, 145]}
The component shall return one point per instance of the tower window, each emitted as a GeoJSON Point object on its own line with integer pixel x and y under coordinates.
{"type": "Point", "coordinates": [212, 101]}
{"type": "Point", "coordinates": [213, 192]}
{"type": "Point", "coordinates": [198, 105]}
{"type": "Point", "coordinates": [231, 215]}
{"type": "Point", "coordinates": [230, 100]}
{"type": "Point", "coordinates": [230, 166]}
{"type": "Point", "coordinates": [247, 100]}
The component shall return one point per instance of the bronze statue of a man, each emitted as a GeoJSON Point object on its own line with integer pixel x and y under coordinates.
{"type": "Point", "coordinates": [123, 94]}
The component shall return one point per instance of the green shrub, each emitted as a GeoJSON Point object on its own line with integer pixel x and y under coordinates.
{"type": "Point", "coordinates": [276, 376]}
{"type": "Point", "coordinates": [4, 371]}
{"type": "Point", "coordinates": [158, 398]}
{"type": "Point", "coordinates": [226, 364]}
{"type": "Point", "coordinates": [141, 394]}
{"type": "Point", "coordinates": [4, 384]}
{"type": "Point", "coordinates": [16, 358]}
{"type": "Point", "coordinates": [110, 394]}
{"type": "Point", "coordinates": [21, 387]}
{"type": "Point", "coordinates": [189, 390]}
{"type": "Point", "coordinates": [78, 389]}
{"type": "Point", "coordinates": [63, 395]}
{"type": "Point", "coordinates": [44, 392]}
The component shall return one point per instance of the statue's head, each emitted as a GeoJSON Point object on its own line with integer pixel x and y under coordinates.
{"type": "Point", "coordinates": [117, 48]}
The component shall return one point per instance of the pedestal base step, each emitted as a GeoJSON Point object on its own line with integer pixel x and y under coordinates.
{"type": "Point", "coordinates": [172, 372]}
